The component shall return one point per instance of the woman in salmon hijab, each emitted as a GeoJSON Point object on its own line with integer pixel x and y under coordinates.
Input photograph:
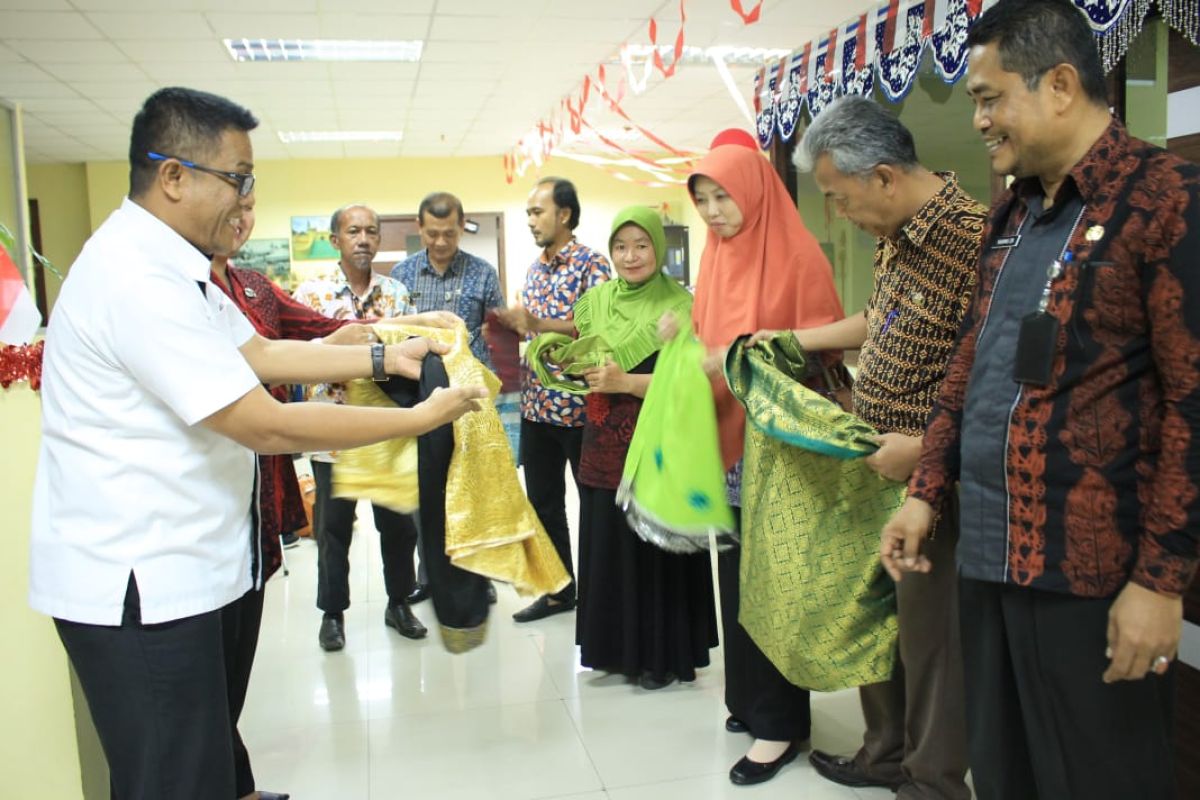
{"type": "Point", "coordinates": [761, 269]}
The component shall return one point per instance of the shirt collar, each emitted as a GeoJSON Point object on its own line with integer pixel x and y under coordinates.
{"type": "Point", "coordinates": [1091, 174]}
{"type": "Point", "coordinates": [343, 284]}
{"type": "Point", "coordinates": [562, 256]}
{"type": "Point", "coordinates": [917, 228]}
{"type": "Point", "coordinates": [165, 243]}
{"type": "Point", "coordinates": [456, 263]}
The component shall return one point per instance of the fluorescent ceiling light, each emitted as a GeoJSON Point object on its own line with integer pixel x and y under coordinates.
{"type": "Point", "coordinates": [322, 50]}
{"type": "Point", "coordinates": [292, 137]}
{"type": "Point", "coordinates": [733, 56]}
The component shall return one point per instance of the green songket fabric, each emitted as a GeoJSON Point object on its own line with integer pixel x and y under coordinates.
{"type": "Point", "coordinates": [673, 486]}
{"type": "Point", "coordinates": [814, 597]}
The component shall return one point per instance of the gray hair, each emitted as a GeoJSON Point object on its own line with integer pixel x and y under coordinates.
{"type": "Point", "coordinates": [859, 135]}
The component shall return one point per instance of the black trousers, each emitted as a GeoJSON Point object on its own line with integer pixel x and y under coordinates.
{"type": "Point", "coordinates": [1041, 724]}
{"type": "Point", "coordinates": [755, 691]}
{"type": "Point", "coordinates": [546, 450]}
{"type": "Point", "coordinates": [397, 545]}
{"type": "Point", "coordinates": [240, 624]}
{"type": "Point", "coordinates": [157, 697]}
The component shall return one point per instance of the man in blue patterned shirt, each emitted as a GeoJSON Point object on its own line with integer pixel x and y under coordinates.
{"type": "Point", "coordinates": [444, 278]}
{"type": "Point", "coordinates": [552, 421]}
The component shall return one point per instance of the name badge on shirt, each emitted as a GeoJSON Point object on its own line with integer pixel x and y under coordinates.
{"type": "Point", "coordinates": [1006, 242]}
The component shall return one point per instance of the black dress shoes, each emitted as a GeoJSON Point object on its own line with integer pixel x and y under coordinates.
{"type": "Point", "coordinates": [401, 617]}
{"type": "Point", "coordinates": [332, 635]}
{"type": "Point", "coordinates": [735, 725]}
{"type": "Point", "coordinates": [746, 772]}
{"type": "Point", "coordinates": [420, 593]}
{"type": "Point", "coordinates": [845, 771]}
{"type": "Point", "coordinates": [543, 607]}
{"type": "Point", "coordinates": [491, 594]}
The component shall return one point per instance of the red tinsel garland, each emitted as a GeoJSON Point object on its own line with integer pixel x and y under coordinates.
{"type": "Point", "coordinates": [22, 363]}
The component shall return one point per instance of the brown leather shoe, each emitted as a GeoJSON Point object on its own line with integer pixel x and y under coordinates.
{"type": "Point", "coordinates": [845, 771]}
{"type": "Point", "coordinates": [401, 617]}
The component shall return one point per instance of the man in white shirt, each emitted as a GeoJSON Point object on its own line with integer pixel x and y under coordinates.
{"type": "Point", "coordinates": [153, 403]}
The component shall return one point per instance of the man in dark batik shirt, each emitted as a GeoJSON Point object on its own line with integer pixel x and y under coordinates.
{"type": "Point", "coordinates": [1070, 416]}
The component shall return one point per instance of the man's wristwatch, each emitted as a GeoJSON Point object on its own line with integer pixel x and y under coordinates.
{"type": "Point", "coordinates": [378, 373]}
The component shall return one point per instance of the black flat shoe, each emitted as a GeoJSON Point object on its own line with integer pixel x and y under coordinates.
{"type": "Point", "coordinates": [651, 682]}
{"type": "Point", "coordinates": [401, 617]}
{"type": "Point", "coordinates": [332, 635]}
{"type": "Point", "coordinates": [542, 608]}
{"type": "Point", "coordinates": [746, 772]}
{"type": "Point", "coordinates": [735, 725]}
{"type": "Point", "coordinates": [845, 771]}
{"type": "Point", "coordinates": [419, 594]}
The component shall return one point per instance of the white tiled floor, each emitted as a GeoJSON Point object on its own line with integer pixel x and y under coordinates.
{"type": "Point", "coordinates": [516, 718]}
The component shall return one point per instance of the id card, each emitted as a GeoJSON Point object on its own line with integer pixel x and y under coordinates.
{"type": "Point", "coordinates": [1036, 343]}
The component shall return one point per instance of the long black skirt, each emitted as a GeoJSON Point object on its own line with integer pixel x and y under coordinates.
{"type": "Point", "coordinates": [641, 609]}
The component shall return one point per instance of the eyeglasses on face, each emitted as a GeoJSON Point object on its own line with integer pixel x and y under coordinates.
{"type": "Point", "coordinates": [244, 181]}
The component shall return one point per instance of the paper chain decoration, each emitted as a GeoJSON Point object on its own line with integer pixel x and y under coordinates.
{"type": "Point", "coordinates": [886, 45]}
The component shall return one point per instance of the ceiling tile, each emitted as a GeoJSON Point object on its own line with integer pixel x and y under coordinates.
{"type": "Point", "coordinates": [8, 55]}
{"type": "Point", "coordinates": [267, 26]}
{"type": "Point", "coordinates": [171, 74]}
{"type": "Point", "coordinates": [46, 25]}
{"type": "Point", "coordinates": [35, 5]}
{"type": "Point", "coordinates": [96, 72]}
{"type": "Point", "coordinates": [374, 26]}
{"type": "Point", "coordinates": [372, 149]}
{"type": "Point", "coordinates": [27, 90]}
{"type": "Point", "coordinates": [196, 50]}
{"type": "Point", "coordinates": [389, 71]}
{"type": "Point", "coordinates": [66, 51]}
{"type": "Point", "coordinates": [115, 90]}
{"type": "Point", "coordinates": [61, 105]}
{"type": "Point", "coordinates": [495, 8]}
{"type": "Point", "coordinates": [258, 6]}
{"type": "Point", "coordinates": [281, 71]}
{"type": "Point", "coordinates": [365, 6]}
{"type": "Point", "coordinates": [155, 26]}
{"type": "Point", "coordinates": [458, 51]}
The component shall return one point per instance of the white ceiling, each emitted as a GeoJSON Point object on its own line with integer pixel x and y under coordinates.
{"type": "Point", "coordinates": [491, 68]}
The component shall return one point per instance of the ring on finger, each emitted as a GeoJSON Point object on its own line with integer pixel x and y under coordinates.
{"type": "Point", "coordinates": [1160, 664]}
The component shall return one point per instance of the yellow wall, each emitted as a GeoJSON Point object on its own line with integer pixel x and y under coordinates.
{"type": "Point", "coordinates": [61, 192]}
{"type": "Point", "coordinates": [38, 752]}
{"type": "Point", "coordinates": [396, 186]}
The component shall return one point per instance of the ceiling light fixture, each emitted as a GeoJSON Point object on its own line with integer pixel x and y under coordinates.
{"type": "Point", "coordinates": [733, 56]}
{"type": "Point", "coordinates": [322, 50]}
{"type": "Point", "coordinates": [299, 137]}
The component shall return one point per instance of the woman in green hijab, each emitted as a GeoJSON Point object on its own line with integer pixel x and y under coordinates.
{"type": "Point", "coordinates": [643, 612]}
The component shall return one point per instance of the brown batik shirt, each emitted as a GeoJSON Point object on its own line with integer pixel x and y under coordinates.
{"type": "Point", "coordinates": [1098, 470]}
{"type": "Point", "coordinates": [924, 276]}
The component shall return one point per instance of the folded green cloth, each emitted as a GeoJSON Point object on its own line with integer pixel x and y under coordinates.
{"type": "Point", "coordinates": [555, 356]}
{"type": "Point", "coordinates": [673, 485]}
{"type": "Point", "coordinates": [813, 595]}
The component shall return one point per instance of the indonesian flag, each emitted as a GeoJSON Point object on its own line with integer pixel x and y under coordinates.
{"type": "Point", "coordinates": [19, 317]}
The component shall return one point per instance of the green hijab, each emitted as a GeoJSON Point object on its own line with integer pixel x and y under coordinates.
{"type": "Point", "coordinates": [616, 319]}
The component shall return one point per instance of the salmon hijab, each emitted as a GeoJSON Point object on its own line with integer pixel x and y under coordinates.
{"type": "Point", "coordinates": [772, 274]}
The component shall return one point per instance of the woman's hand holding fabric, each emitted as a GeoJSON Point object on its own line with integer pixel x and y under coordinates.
{"type": "Point", "coordinates": [896, 457]}
{"type": "Point", "coordinates": [900, 540]}
{"type": "Point", "coordinates": [448, 404]}
{"type": "Point", "coordinates": [609, 379]}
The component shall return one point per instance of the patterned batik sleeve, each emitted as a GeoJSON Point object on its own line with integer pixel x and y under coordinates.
{"type": "Point", "coordinates": [299, 321]}
{"type": "Point", "coordinates": [937, 469]}
{"type": "Point", "coordinates": [1168, 547]}
{"type": "Point", "coordinates": [492, 296]}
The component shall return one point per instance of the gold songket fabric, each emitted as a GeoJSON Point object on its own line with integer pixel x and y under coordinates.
{"type": "Point", "coordinates": [814, 597]}
{"type": "Point", "coordinates": [491, 529]}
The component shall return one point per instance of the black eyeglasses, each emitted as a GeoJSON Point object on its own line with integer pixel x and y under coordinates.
{"type": "Point", "coordinates": [244, 181]}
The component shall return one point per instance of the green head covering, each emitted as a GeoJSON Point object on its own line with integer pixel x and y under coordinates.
{"type": "Point", "coordinates": [648, 220]}
{"type": "Point", "coordinates": [616, 319]}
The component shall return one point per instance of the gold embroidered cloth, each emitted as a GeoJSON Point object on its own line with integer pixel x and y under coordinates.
{"type": "Point", "coordinates": [491, 529]}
